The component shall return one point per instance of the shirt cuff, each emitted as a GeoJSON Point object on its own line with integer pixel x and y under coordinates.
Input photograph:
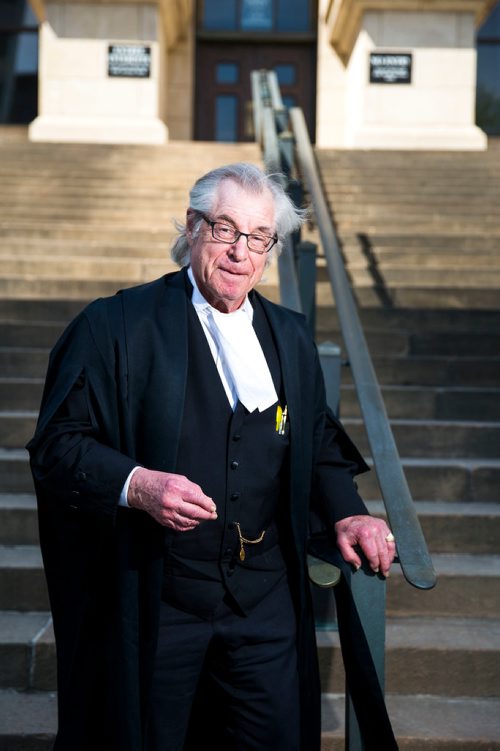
{"type": "Point", "coordinates": [123, 495]}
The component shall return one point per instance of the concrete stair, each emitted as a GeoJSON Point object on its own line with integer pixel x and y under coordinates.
{"type": "Point", "coordinates": [81, 221]}
{"type": "Point", "coordinates": [103, 216]}
{"type": "Point", "coordinates": [421, 237]}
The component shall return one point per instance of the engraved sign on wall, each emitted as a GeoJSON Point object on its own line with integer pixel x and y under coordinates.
{"type": "Point", "coordinates": [390, 67]}
{"type": "Point", "coordinates": [129, 60]}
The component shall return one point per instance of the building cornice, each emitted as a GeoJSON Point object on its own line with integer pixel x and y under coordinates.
{"type": "Point", "coordinates": [343, 17]}
{"type": "Point", "coordinates": [175, 14]}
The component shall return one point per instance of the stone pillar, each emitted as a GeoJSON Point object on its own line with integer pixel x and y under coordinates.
{"type": "Point", "coordinates": [436, 110]}
{"type": "Point", "coordinates": [78, 99]}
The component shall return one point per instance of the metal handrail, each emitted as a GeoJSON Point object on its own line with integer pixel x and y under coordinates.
{"type": "Point", "coordinates": [412, 549]}
{"type": "Point", "coordinates": [255, 79]}
{"type": "Point", "coordinates": [413, 555]}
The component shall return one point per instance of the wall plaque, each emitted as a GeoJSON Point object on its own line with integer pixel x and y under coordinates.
{"type": "Point", "coordinates": [390, 67]}
{"type": "Point", "coordinates": [129, 60]}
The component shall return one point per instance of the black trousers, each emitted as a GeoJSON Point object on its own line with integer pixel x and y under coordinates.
{"type": "Point", "coordinates": [230, 682]}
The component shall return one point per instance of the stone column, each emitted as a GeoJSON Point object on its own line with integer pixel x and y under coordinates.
{"type": "Point", "coordinates": [435, 110]}
{"type": "Point", "coordinates": [79, 100]}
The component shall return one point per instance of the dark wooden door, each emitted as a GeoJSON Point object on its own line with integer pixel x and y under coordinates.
{"type": "Point", "coordinates": [223, 109]}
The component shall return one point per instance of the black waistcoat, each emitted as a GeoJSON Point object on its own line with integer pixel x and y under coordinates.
{"type": "Point", "coordinates": [238, 460]}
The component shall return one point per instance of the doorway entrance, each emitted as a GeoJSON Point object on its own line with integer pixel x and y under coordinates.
{"type": "Point", "coordinates": [278, 35]}
{"type": "Point", "coordinates": [223, 90]}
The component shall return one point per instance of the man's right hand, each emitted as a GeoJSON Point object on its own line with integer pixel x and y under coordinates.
{"type": "Point", "coordinates": [172, 500]}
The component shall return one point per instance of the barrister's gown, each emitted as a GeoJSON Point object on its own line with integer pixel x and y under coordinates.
{"type": "Point", "coordinates": [127, 356]}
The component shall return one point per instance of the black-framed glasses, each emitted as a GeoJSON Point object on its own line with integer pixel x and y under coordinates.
{"type": "Point", "coordinates": [256, 241]}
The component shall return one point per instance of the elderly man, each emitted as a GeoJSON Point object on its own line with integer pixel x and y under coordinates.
{"type": "Point", "coordinates": [183, 441]}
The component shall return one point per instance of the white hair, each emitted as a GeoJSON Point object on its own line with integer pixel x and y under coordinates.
{"type": "Point", "coordinates": [204, 192]}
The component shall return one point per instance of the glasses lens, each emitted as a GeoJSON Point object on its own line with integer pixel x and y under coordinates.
{"type": "Point", "coordinates": [224, 232]}
{"type": "Point", "coordinates": [259, 243]}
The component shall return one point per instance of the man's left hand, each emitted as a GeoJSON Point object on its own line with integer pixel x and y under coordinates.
{"type": "Point", "coordinates": [370, 534]}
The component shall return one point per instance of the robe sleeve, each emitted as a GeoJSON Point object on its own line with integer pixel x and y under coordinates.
{"type": "Point", "coordinates": [75, 453]}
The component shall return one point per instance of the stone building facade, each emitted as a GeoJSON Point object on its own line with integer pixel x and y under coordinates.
{"type": "Point", "coordinates": [368, 73]}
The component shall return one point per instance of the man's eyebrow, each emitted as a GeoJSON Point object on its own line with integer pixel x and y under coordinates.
{"type": "Point", "coordinates": [226, 218]}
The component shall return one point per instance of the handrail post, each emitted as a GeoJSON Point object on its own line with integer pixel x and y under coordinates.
{"type": "Point", "coordinates": [323, 599]}
{"type": "Point", "coordinates": [257, 106]}
{"type": "Point", "coordinates": [306, 273]}
{"type": "Point", "coordinates": [270, 139]}
{"type": "Point", "coordinates": [287, 272]}
{"type": "Point", "coordinates": [368, 592]}
{"type": "Point", "coordinates": [329, 357]}
{"type": "Point", "coordinates": [287, 146]}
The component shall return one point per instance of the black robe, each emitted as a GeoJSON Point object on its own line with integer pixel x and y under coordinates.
{"type": "Point", "coordinates": [114, 399]}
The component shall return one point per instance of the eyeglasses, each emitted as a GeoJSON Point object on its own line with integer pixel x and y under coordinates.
{"type": "Point", "coordinates": [225, 233]}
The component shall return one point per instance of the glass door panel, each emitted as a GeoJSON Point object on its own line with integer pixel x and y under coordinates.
{"type": "Point", "coordinates": [223, 90]}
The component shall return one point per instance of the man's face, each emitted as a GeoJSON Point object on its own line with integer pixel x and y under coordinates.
{"type": "Point", "coordinates": [226, 272]}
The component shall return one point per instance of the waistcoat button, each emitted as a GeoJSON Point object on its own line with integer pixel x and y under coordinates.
{"type": "Point", "coordinates": [234, 464]}
{"type": "Point", "coordinates": [235, 496]}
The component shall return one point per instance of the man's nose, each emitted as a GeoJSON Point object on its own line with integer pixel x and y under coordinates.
{"type": "Point", "coordinates": [239, 249]}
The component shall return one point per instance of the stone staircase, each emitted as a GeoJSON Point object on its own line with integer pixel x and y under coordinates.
{"type": "Point", "coordinates": [81, 221]}
{"type": "Point", "coordinates": [421, 237]}
{"type": "Point", "coordinates": [76, 222]}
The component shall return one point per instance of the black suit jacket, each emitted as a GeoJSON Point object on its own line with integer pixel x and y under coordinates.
{"type": "Point", "coordinates": [113, 398]}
